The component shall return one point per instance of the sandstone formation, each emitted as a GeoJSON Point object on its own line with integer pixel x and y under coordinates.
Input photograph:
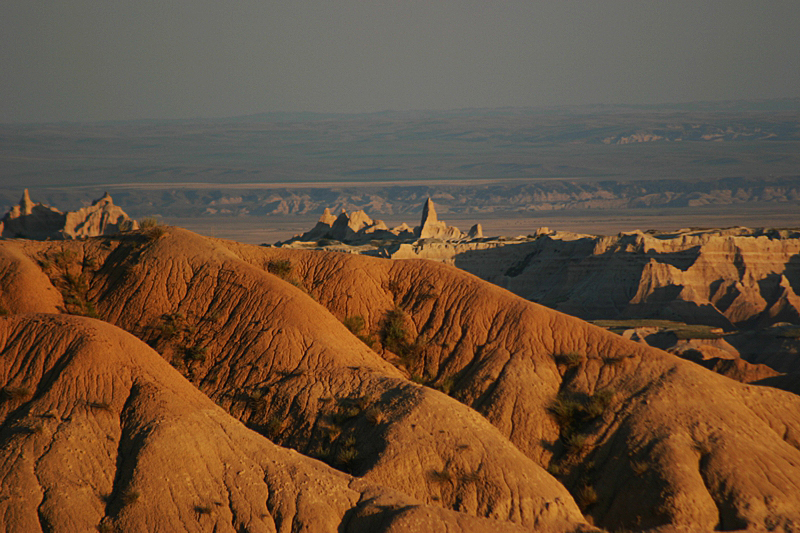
{"type": "Point", "coordinates": [730, 278]}
{"type": "Point", "coordinates": [337, 356]}
{"type": "Point", "coordinates": [432, 228]}
{"type": "Point", "coordinates": [37, 221]}
{"type": "Point", "coordinates": [358, 228]}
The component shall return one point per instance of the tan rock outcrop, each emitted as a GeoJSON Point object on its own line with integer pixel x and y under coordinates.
{"type": "Point", "coordinates": [431, 227]}
{"type": "Point", "coordinates": [727, 278]}
{"type": "Point", "coordinates": [36, 221]}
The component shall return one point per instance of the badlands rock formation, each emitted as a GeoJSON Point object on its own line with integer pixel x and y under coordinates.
{"type": "Point", "coordinates": [733, 278]}
{"type": "Point", "coordinates": [730, 278]}
{"type": "Point", "coordinates": [539, 420]}
{"type": "Point", "coordinates": [99, 433]}
{"type": "Point", "coordinates": [31, 220]}
{"type": "Point", "coordinates": [353, 227]}
{"type": "Point", "coordinates": [358, 228]}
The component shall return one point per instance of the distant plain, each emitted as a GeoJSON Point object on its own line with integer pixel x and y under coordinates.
{"type": "Point", "coordinates": [264, 178]}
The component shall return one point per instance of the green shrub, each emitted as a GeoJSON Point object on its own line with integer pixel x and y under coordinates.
{"type": "Point", "coordinates": [571, 413]}
{"type": "Point", "coordinates": [347, 456]}
{"type": "Point", "coordinates": [354, 323]}
{"type": "Point", "coordinates": [394, 332]}
{"type": "Point", "coordinates": [148, 223]}
{"type": "Point", "coordinates": [195, 353]}
{"type": "Point", "coordinates": [574, 443]}
{"type": "Point", "coordinates": [130, 496]}
{"type": "Point", "coordinates": [570, 360]}
{"type": "Point", "coordinates": [280, 267]}
{"type": "Point", "coordinates": [375, 416]}
{"type": "Point", "coordinates": [586, 497]}
{"type": "Point", "coordinates": [274, 427]}
{"type": "Point", "coordinates": [125, 225]}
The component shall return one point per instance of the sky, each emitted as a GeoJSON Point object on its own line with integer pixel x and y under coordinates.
{"type": "Point", "coordinates": [89, 60]}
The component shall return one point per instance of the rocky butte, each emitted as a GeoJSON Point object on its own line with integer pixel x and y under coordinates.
{"type": "Point", "coordinates": [30, 220]}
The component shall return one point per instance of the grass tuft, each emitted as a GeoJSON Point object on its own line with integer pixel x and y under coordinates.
{"type": "Point", "coordinates": [131, 496]}
{"type": "Point", "coordinates": [569, 360]}
{"type": "Point", "coordinates": [440, 476]}
{"type": "Point", "coordinates": [355, 324]}
{"type": "Point", "coordinates": [280, 267]}
{"type": "Point", "coordinates": [586, 497]}
{"type": "Point", "coordinates": [375, 416]}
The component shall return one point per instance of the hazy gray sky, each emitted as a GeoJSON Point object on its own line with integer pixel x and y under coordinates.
{"type": "Point", "coordinates": [128, 59]}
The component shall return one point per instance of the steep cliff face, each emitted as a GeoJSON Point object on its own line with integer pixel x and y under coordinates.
{"type": "Point", "coordinates": [37, 221]}
{"type": "Point", "coordinates": [728, 278]}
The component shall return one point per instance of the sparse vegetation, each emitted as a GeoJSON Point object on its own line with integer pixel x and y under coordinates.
{"type": "Point", "coordinates": [599, 402]}
{"type": "Point", "coordinates": [273, 427]}
{"type": "Point", "coordinates": [125, 225]}
{"type": "Point", "coordinates": [440, 476]}
{"type": "Point", "coordinates": [613, 360]}
{"type": "Point", "coordinates": [203, 509]}
{"type": "Point", "coordinates": [469, 477]}
{"type": "Point", "coordinates": [394, 332]}
{"type": "Point", "coordinates": [130, 496]}
{"type": "Point", "coordinates": [395, 339]}
{"type": "Point", "coordinates": [574, 443]}
{"type": "Point", "coordinates": [789, 333]}
{"type": "Point", "coordinates": [572, 412]}
{"type": "Point", "coordinates": [681, 330]}
{"type": "Point", "coordinates": [354, 323]}
{"type": "Point", "coordinates": [639, 467]}
{"type": "Point", "coordinates": [586, 497]}
{"type": "Point", "coordinates": [280, 267]}
{"type": "Point", "coordinates": [375, 416]}
{"type": "Point", "coordinates": [570, 360]}
{"type": "Point", "coordinates": [347, 456]}
{"type": "Point", "coordinates": [447, 384]}
{"type": "Point", "coordinates": [148, 223]}
{"type": "Point", "coordinates": [196, 354]}
{"type": "Point", "coordinates": [15, 393]}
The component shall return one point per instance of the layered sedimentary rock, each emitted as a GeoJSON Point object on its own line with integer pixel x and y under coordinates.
{"type": "Point", "coordinates": [728, 278]}
{"type": "Point", "coordinates": [539, 416]}
{"type": "Point", "coordinates": [31, 220]}
{"type": "Point", "coordinates": [357, 228]}
{"type": "Point", "coordinates": [432, 228]}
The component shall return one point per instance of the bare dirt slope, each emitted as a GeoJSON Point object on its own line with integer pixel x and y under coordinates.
{"type": "Point", "coordinates": [651, 435]}
{"type": "Point", "coordinates": [641, 438]}
{"type": "Point", "coordinates": [284, 365]}
{"type": "Point", "coordinates": [99, 434]}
